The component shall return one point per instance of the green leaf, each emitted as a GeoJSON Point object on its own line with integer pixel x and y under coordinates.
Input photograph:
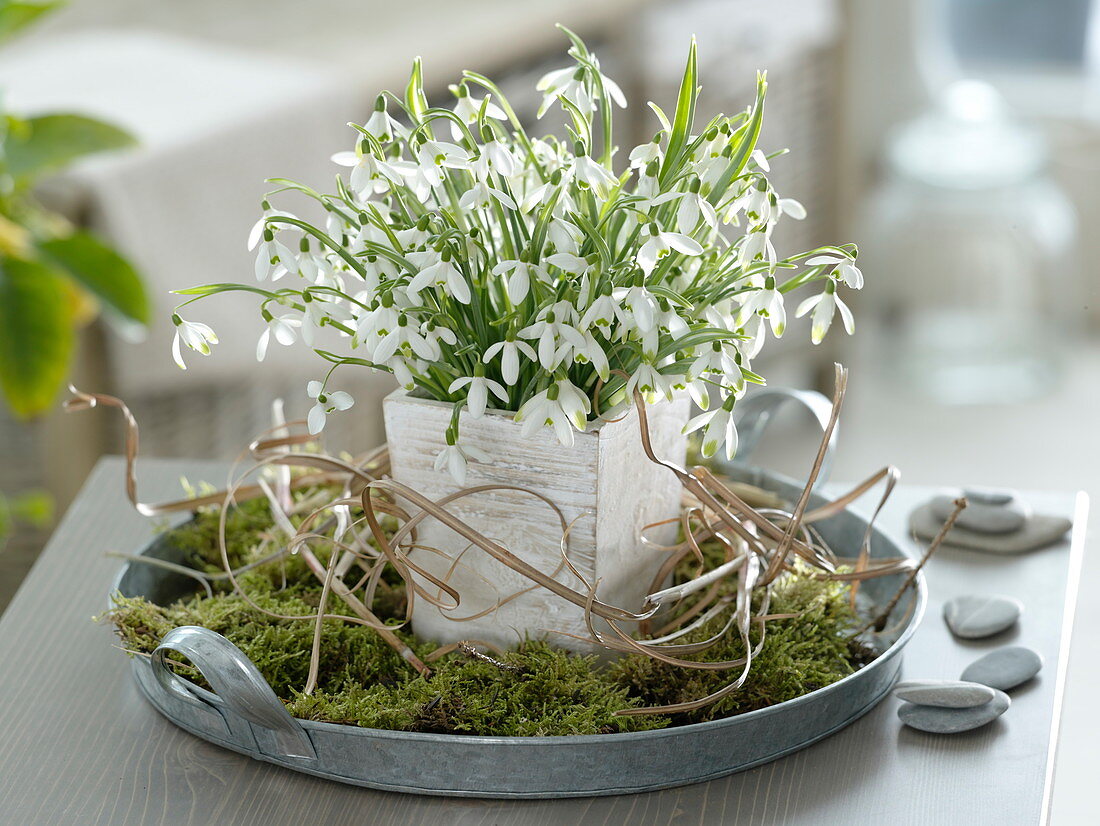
{"type": "Point", "coordinates": [16, 16]}
{"type": "Point", "coordinates": [36, 334]}
{"type": "Point", "coordinates": [685, 113]}
{"type": "Point", "coordinates": [750, 132]}
{"type": "Point", "coordinates": [101, 271]}
{"type": "Point", "coordinates": [51, 142]}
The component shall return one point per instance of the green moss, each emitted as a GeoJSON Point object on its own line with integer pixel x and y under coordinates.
{"type": "Point", "coordinates": [540, 690]}
{"type": "Point", "coordinates": [799, 655]}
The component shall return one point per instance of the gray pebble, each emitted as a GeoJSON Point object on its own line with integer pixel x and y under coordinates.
{"type": "Point", "coordinates": [944, 693]}
{"type": "Point", "coordinates": [1038, 531]}
{"type": "Point", "coordinates": [973, 617]}
{"type": "Point", "coordinates": [953, 720]}
{"type": "Point", "coordinates": [1004, 668]}
{"type": "Point", "coordinates": [987, 511]}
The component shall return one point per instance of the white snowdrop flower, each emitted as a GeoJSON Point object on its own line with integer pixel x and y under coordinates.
{"type": "Point", "coordinates": [756, 246]}
{"type": "Point", "coordinates": [767, 302]}
{"type": "Point", "coordinates": [716, 360]}
{"type": "Point", "coordinates": [494, 157]}
{"type": "Point", "coordinates": [692, 206]}
{"type": "Point", "coordinates": [468, 107]}
{"type": "Point", "coordinates": [455, 457]}
{"type": "Point", "coordinates": [591, 352]}
{"type": "Point", "coordinates": [256, 234]}
{"type": "Point", "coordinates": [567, 262]}
{"type": "Point", "coordinates": [565, 83]}
{"type": "Point", "coordinates": [367, 174]}
{"type": "Point", "coordinates": [824, 307]}
{"type": "Point", "coordinates": [403, 372]}
{"type": "Point", "coordinates": [477, 397]}
{"type": "Point", "coordinates": [564, 235]}
{"type": "Point", "coordinates": [845, 268]}
{"type": "Point", "coordinates": [561, 406]}
{"type": "Point", "coordinates": [441, 274]}
{"type": "Point", "coordinates": [281, 328]}
{"type": "Point", "coordinates": [661, 244]}
{"type": "Point", "coordinates": [433, 334]}
{"type": "Point", "coordinates": [641, 303]}
{"type": "Point", "coordinates": [273, 258]}
{"type": "Point", "coordinates": [509, 350]}
{"type": "Point", "coordinates": [791, 207]}
{"type": "Point", "coordinates": [595, 176]}
{"type": "Point", "coordinates": [641, 156]}
{"type": "Point", "coordinates": [317, 309]}
{"type": "Point", "coordinates": [720, 428]}
{"type": "Point", "coordinates": [404, 339]}
{"type": "Point", "coordinates": [194, 334]}
{"type": "Point", "coordinates": [326, 403]}
{"type": "Point", "coordinates": [381, 125]}
{"type": "Point", "coordinates": [648, 381]}
{"type": "Point", "coordinates": [761, 160]}
{"type": "Point", "coordinates": [481, 194]}
{"type": "Point", "coordinates": [603, 312]}
{"type": "Point", "coordinates": [553, 325]}
{"type": "Point", "coordinates": [378, 322]}
{"type": "Point", "coordinates": [519, 282]}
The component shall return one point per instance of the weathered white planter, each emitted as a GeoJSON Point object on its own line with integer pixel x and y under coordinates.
{"type": "Point", "coordinates": [604, 481]}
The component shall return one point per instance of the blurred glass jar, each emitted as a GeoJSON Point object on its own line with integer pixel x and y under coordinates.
{"type": "Point", "coordinates": [972, 249]}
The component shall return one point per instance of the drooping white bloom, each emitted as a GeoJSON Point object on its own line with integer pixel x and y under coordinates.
{"type": "Point", "coordinates": [368, 174]}
{"type": "Point", "coordinates": [326, 403]}
{"type": "Point", "coordinates": [824, 307]}
{"type": "Point", "coordinates": [441, 274]}
{"type": "Point", "coordinates": [468, 107]}
{"type": "Point", "coordinates": [519, 282]}
{"type": "Point", "coordinates": [455, 457]}
{"type": "Point", "coordinates": [644, 154]}
{"type": "Point", "coordinates": [553, 324]}
{"type": "Point", "coordinates": [509, 350]}
{"type": "Point", "coordinates": [279, 327]}
{"type": "Point", "coordinates": [595, 176]}
{"type": "Point", "coordinates": [494, 157]}
{"type": "Point", "coordinates": [568, 83]}
{"type": "Point", "coordinates": [649, 381]}
{"type": "Point", "coordinates": [477, 397]}
{"type": "Point", "coordinates": [381, 125]}
{"type": "Point", "coordinates": [845, 268]}
{"type": "Point", "coordinates": [273, 257]}
{"type": "Point", "coordinates": [195, 335]}
{"type": "Point", "coordinates": [480, 195]}
{"type": "Point", "coordinates": [767, 302]}
{"type": "Point", "coordinates": [560, 406]}
{"type": "Point", "coordinates": [720, 428]}
{"type": "Point", "coordinates": [661, 244]}
{"type": "Point", "coordinates": [791, 207]}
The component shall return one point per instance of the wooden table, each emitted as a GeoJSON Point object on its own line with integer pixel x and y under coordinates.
{"type": "Point", "coordinates": [78, 745]}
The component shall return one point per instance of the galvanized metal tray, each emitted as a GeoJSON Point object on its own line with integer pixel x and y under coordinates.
{"type": "Point", "coordinates": [243, 713]}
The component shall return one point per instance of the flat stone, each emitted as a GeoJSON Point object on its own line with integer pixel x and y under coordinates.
{"type": "Point", "coordinates": [1038, 532]}
{"type": "Point", "coordinates": [1004, 668]}
{"type": "Point", "coordinates": [953, 720]}
{"type": "Point", "coordinates": [988, 511]}
{"type": "Point", "coordinates": [973, 617]}
{"type": "Point", "coordinates": [944, 693]}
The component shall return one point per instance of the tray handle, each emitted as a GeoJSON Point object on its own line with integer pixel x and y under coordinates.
{"type": "Point", "coordinates": [756, 411]}
{"type": "Point", "coordinates": [235, 680]}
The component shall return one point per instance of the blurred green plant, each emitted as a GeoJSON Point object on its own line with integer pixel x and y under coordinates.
{"type": "Point", "coordinates": [54, 277]}
{"type": "Point", "coordinates": [33, 507]}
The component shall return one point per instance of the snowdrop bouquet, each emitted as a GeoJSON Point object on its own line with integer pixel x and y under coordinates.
{"type": "Point", "coordinates": [546, 276]}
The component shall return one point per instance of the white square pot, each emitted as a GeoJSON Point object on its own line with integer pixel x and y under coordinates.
{"type": "Point", "coordinates": [604, 481]}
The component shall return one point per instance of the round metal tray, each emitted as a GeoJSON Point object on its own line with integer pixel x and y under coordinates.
{"type": "Point", "coordinates": [245, 715]}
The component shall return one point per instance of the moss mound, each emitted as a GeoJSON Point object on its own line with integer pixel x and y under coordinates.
{"type": "Point", "coordinates": [531, 691]}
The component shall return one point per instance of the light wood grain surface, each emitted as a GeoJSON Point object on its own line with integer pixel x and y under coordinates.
{"type": "Point", "coordinates": [78, 745]}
